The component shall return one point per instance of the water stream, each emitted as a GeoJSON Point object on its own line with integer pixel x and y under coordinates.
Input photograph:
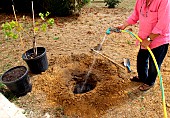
{"type": "Point", "coordinates": [91, 67]}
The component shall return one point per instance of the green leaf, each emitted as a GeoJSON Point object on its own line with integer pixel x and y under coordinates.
{"type": "Point", "coordinates": [44, 27]}
{"type": "Point", "coordinates": [8, 34]}
{"type": "Point", "coordinates": [47, 14]}
{"type": "Point", "coordinates": [6, 26]}
{"type": "Point", "coordinates": [37, 23]}
{"type": "Point", "coordinates": [15, 36]}
{"type": "Point", "coordinates": [36, 29]}
{"type": "Point", "coordinates": [13, 24]}
{"type": "Point", "coordinates": [42, 16]}
{"type": "Point", "coordinates": [56, 38]}
{"type": "Point", "coordinates": [50, 21]}
{"type": "Point", "coordinates": [2, 25]}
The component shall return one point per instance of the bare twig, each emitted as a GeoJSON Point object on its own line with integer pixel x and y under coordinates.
{"type": "Point", "coordinates": [33, 22]}
{"type": "Point", "coordinates": [13, 8]}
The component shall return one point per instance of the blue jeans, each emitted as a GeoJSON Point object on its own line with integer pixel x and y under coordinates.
{"type": "Point", "coordinates": [145, 65]}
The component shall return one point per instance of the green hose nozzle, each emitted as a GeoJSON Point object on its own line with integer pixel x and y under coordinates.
{"type": "Point", "coordinates": [113, 29]}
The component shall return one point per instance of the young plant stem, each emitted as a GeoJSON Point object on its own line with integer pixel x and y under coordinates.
{"type": "Point", "coordinates": [13, 8]}
{"type": "Point", "coordinates": [33, 22]}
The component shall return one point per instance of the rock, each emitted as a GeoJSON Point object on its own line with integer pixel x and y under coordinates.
{"type": "Point", "coordinates": [168, 105]}
{"type": "Point", "coordinates": [46, 115]}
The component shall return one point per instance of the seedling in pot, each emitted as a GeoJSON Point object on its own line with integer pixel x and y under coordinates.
{"type": "Point", "coordinates": [43, 27]}
{"type": "Point", "coordinates": [35, 57]}
{"type": "Point", "coordinates": [20, 29]}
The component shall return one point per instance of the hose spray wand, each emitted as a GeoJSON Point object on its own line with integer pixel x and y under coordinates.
{"type": "Point", "coordinates": [109, 30]}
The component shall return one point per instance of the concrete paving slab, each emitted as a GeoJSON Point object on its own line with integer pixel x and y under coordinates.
{"type": "Point", "coordinates": [9, 110]}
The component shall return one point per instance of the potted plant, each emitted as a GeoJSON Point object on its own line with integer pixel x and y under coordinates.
{"type": "Point", "coordinates": [17, 80]}
{"type": "Point", "coordinates": [35, 57]}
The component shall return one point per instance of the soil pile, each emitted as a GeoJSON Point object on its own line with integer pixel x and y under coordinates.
{"type": "Point", "coordinates": [58, 84]}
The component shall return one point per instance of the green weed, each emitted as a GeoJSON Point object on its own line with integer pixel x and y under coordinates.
{"type": "Point", "coordinates": [129, 42]}
{"type": "Point", "coordinates": [1, 85]}
{"type": "Point", "coordinates": [7, 66]}
{"type": "Point", "coordinates": [142, 108]}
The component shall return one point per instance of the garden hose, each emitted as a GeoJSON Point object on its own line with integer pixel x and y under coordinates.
{"type": "Point", "coordinates": [155, 62]}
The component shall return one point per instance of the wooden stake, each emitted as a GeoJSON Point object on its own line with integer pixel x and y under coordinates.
{"type": "Point", "coordinates": [13, 8]}
{"type": "Point", "coordinates": [33, 22]}
{"type": "Point", "coordinates": [107, 57]}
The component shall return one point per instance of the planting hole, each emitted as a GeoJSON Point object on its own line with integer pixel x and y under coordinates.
{"type": "Point", "coordinates": [83, 86]}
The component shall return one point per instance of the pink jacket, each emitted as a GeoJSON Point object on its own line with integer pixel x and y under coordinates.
{"type": "Point", "coordinates": [155, 18]}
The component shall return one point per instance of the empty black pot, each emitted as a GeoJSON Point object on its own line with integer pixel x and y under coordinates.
{"type": "Point", "coordinates": [17, 80]}
{"type": "Point", "coordinates": [36, 64]}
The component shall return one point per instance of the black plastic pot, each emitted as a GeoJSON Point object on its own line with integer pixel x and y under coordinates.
{"type": "Point", "coordinates": [36, 64]}
{"type": "Point", "coordinates": [17, 80]}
